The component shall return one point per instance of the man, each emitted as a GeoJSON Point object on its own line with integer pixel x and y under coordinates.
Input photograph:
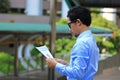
{"type": "Point", "coordinates": [84, 55]}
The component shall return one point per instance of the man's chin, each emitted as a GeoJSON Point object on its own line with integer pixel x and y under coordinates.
{"type": "Point", "coordinates": [74, 35]}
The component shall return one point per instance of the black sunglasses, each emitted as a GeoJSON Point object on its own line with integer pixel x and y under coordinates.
{"type": "Point", "coordinates": [71, 23]}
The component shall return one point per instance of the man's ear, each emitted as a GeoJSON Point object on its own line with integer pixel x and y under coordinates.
{"type": "Point", "coordinates": [79, 22]}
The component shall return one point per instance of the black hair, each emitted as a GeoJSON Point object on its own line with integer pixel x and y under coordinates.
{"type": "Point", "coordinates": [80, 13]}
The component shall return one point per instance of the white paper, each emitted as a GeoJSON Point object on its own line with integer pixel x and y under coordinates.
{"type": "Point", "coordinates": [44, 50]}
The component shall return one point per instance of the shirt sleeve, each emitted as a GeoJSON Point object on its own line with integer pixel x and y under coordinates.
{"type": "Point", "coordinates": [78, 65]}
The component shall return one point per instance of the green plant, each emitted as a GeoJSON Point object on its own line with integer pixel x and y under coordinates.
{"type": "Point", "coordinates": [4, 6]}
{"type": "Point", "coordinates": [112, 43]}
{"type": "Point", "coordinates": [64, 45]}
{"type": "Point", "coordinates": [62, 21]}
{"type": "Point", "coordinates": [6, 62]}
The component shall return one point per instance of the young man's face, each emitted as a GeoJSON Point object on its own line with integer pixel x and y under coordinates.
{"type": "Point", "coordinates": [74, 27]}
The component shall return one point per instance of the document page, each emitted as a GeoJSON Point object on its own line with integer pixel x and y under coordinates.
{"type": "Point", "coordinates": [44, 50]}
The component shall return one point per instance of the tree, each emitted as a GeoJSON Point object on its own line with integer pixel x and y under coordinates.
{"type": "Point", "coordinates": [4, 6]}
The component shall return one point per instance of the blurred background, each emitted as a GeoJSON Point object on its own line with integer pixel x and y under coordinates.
{"type": "Point", "coordinates": [25, 24]}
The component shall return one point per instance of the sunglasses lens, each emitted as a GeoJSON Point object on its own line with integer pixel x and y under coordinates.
{"type": "Point", "coordinates": [69, 25]}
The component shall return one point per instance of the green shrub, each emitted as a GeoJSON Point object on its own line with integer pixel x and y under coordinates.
{"type": "Point", "coordinates": [4, 6]}
{"type": "Point", "coordinates": [6, 62]}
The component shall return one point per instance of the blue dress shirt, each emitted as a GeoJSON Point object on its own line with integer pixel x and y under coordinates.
{"type": "Point", "coordinates": [84, 59]}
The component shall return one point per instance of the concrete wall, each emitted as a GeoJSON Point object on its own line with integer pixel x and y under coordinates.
{"type": "Point", "coordinates": [23, 18]}
{"type": "Point", "coordinates": [22, 4]}
{"type": "Point", "coordinates": [109, 63]}
{"type": "Point", "coordinates": [17, 3]}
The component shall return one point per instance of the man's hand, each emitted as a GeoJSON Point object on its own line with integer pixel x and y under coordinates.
{"type": "Point", "coordinates": [51, 62]}
{"type": "Point", "coordinates": [61, 61]}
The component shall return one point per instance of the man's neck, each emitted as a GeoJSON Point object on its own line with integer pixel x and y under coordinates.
{"type": "Point", "coordinates": [84, 28]}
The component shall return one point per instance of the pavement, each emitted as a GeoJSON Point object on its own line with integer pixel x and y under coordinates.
{"type": "Point", "coordinates": [109, 74]}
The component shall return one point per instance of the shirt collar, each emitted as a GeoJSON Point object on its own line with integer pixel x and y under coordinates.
{"type": "Point", "coordinates": [85, 33]}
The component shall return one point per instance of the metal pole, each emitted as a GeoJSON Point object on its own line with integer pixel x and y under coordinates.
{"type": "Point", "coordinates": [51, 72]}
{"type": "Point", "coordinates": [15, 57]}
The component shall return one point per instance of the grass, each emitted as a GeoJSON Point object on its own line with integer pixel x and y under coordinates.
{"type": "Point", "coordinates": [6, 62]}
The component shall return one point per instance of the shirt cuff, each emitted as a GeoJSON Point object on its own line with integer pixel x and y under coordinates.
{"type": "Point", "coordinates": [59, 66]}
